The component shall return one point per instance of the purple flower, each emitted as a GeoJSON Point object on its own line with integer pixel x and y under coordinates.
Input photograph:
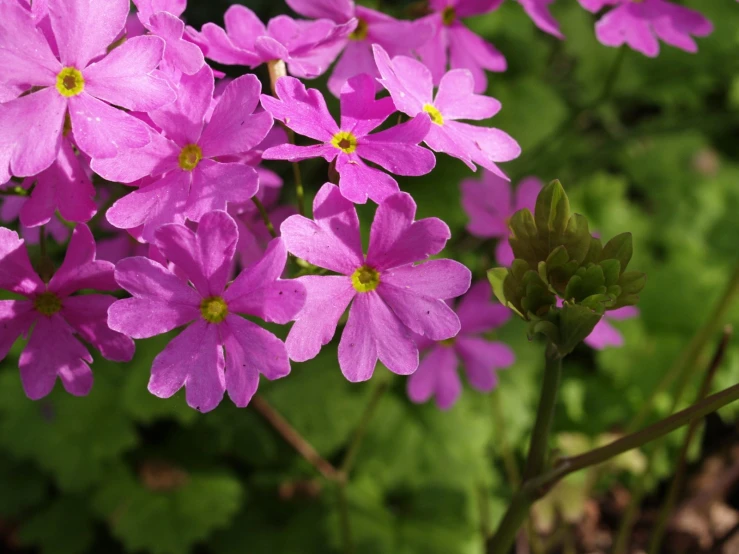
{"type": "Point", "coordinates": [373, 27]}
{"type": "Point", "coordinates": [162, 301]}
{"type": "Point", "coordinates": [640, 23]}
{"type": "Point", "coordinates": [395, 149]}
{"type": "Point", "coordinates": [604, 334]}
{"type": "Point", "coordinates": [437, 374]}
{"type": "Point", "coordinates": [538, 11]}
{"type": "Point", "coordinates": [12, 206]}
{"type": "Point", "coordinates": [392, 297]}
{"type": "Point", "coordinates": [411, 88]}
{"type": "Point", "coordinates": [33, 124]}
{"type": "Point", "coordinates": [185, 178]}
{"type": "Point", "coordinates": [489, 203]}
{"type": "Point", "coordinates": [307, 47]}
{"type": "Point", "coordinates": [455, 44]}
{"type": "Point", "coordinates": [162, 18]}
{"type": "Point", "coordinates": [56, 316]}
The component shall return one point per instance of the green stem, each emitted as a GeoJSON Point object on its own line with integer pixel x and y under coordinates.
{"type": "Point", "coordinates": [359, 434]}
{"type": "Point", "coordinates": [265, 216]}
{"type": "Point", "coordinates": [344, 522]}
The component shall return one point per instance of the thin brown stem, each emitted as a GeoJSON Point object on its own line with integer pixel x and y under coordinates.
{"type": "Point", "coordinates": [265, 216]}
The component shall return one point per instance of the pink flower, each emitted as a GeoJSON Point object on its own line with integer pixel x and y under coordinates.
{"type": "Point", "coordinates": [437, 374]}
{"type": "Point", "coordinates": [82, 29]}
{"type": "Point", "coordinates": [604, 334]}
{"type": "Point", "coordinates": [392, 297]}
{"type": "Point", "coordinates": [640, 23]}
{"type": "Point", "coordinates": [538, 11]}
{"type": "Point", "coordinates": [395, 149]}
{"type": "Point", "coordinates": [489, 203]}
{"type": "Point", "coordinates": [162, 18]}
{"type": "Point", "coordinates": [307, 47]}
{"type": "Point", "coordinates": [456, 45]}
{"type": "Point", "coordinates": [13, 207]}
{"type": "Point", "coordinates": [185, 178]}
{"type": "Point", "coordinates": [56, 316]}
{"type": "Point", "coordinates": [411, 88]}
{"type": "Point", "coordinates": [162, 301]}
{"type": "Point", "coordinates": [373, 27]}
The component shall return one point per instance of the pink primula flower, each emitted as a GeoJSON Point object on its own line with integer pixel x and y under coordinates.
{"type": "Point", "coordinates": [307, 47]}
{"type": "Point", "coordinates": [490, 203]}
{"type": "Point", "coordinates": [538, 11]}
{"type": "Point", "coordinates": [373, 27]}
{"type": "Point", "coordinates": [82, 83]}
{"type": "Point", "coordinates": [455, 45]}
{"type": "Point", "coordinates": [604, 334]}
{"type": "Point", "coordinates": [56, 316]}
{"type": "Point", "coordinates": [411, 88]}
{"type": "Point", "coordinates": [185, 178]}
{"type": "Point", "coordinates": [162, 301]}
{"type": "Point", "coordinates": [642, 23]}
{"type": "Point", "coordinates": [390, 297]}
{"type": "Point", "coordinates": [437, 374]}
{"type": "Point", "coordinates": [395, 149]}
{"type": "Point", "coordinates": [162, 18]}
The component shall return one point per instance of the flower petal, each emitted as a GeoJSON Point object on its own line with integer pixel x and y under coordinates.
{"type": "Point", "coordinates": [604, 335]}
{"type": "Point", "coordinates": [80, 269]}
{"type": "Point", "coordinates": [526, 193]}
{"type": "Point", "coordinates": [358, 181]}
{"type": "Point", "coordinates": [215, 185]}
{"type": "Point", "coordinates": [436, 376]}
{"type": "Point", "coordinates": [182, 54]}
{"type": "Point", "coordinates": [408, 81]}
{"type": "Point", "coordinates": [627, 312]}
{"type": "Point", "coordinates": [88, 315]}
{"type": "Point", "coordinates": [468, 51]}
{"type": "Point", "coordinates": [477, 313]}
{"type": "Point", "coordinates": [360, 112]}
{"type": "Point", "coordinates": [335, 10]}
{"type": "Point", "coordinates": [16, 273]}
{"type": "Point", "coordinates": [16, 318]}
{"type": "Point", "coordinates": [442, 279]}
{"type": "Point", "coordinates": [488, 205]}
{"type": "Point", "coordinates": [396, 149]}
{"type": "Point", "coordinates": [456, 98]}
{"type": "Point", "coordinates": [481, 358]}
{"type": "Point", "coordinates": [292, 153]}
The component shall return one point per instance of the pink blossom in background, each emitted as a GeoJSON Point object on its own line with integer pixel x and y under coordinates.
{"type": "Point", "coordinates": [604, 334]}
{"type": "Point", "coordinates": [184, 177]}
{"type": "Point", "coordinates": [74, 85]}
{"type": "Point", "coordinates": [163, 301]}
{"type": "Point", "coordinates": [538, 11]}
{"type": "Point", "coordinates": [307, 47]}
{"type": "Point", "coordinates": [453, 44]}
{"type": "Point", "coordinates": [437, 375]}
{"type": "Point", "coordinates": [11, 208]}
{"type": "Point", "coordinates": [490, 203]}
{"type": "Point", "coordinates": [391, 298]}
{"type": "Point", "coordinates": [373, 27]}
{"type": "Point", "coordinates": [56, 316]}
{"type": "Point", "coordinates": [411, 88]}
{"type": "Point", "coordinates": [395, 149]}
{"type": "Point", "coordinates": [641, 24]}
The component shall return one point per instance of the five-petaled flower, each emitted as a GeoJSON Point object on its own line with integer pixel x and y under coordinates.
{"type": "Point", "coordinates": [391, 298]}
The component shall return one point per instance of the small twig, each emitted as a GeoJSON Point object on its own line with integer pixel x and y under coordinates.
{"type": "Point", "coordinates": [265, 216]}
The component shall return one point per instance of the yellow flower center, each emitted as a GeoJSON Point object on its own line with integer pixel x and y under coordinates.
{"type": "Point", "coordinates": [190, 157]}
{"type": "Point", "coordinates": [70, 82]}
{"type": "Point", "coordinates": [214, 309]}
{"type": "Point", "coordinates": [345, 141]}
{"type": "Point", "coordinates": [448, 16]}
{"type": "Point", "coordinates": [365, 279]}
{"type": "Point", "coordinates": [360, 33]}
{"type": "Point", "coordinates": [435, 114]}
{"type": "Point", "coordinates": [47, 303]}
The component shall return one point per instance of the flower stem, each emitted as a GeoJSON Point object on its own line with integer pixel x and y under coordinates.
{"type": "Point", "coordinates": [265, 216]}
{"type": "Point", "coordinates": [344, 522]}
{"type": "Point", "coordinates": [361, 431]}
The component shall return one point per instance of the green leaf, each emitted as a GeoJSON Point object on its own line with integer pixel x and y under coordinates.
{"type": "Point", "coordinates": [552, 215]}
{"type": "Point", "coordinates": [65, 526]}
{"type": "Point", "coordinates": [619, 248]}
{"type": "Point", "coordinates": [524, 237]}
{"type": "Point", "coordinates": [22, 486]}
{"type": "Point", "coordinates": [497, 277]}
{"type": "Point", "coordinates": [577, 238]}
{"type": "Point", "coordinates": [576, 323]}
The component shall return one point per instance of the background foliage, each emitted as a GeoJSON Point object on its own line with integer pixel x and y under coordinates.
{"type": "Point", "coordinates": [648, 146]}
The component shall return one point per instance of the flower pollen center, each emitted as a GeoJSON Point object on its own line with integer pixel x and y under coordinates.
{"type": "Point", "coordinates": [448, 16]}
{"type": "Point", "coordinates": [214, 309]}
{"type": "Point", "coordinates": [365, 279]}
{"type": "Point", "coordinates": [344, 141]}
{"type": "Point", "coordinates": [361, 31]}
{"type": "Point", "coordinates": [190, 157]}
{"type": "Point", "coordinates": [47, 303]}
{"type": "Point", "coordinates": [70, 82]}
{"type": "Point", "coordinates": [436, 116]}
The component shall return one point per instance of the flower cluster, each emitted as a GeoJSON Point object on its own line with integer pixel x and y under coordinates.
{"type": "Point", "coordinates": [103, 110]}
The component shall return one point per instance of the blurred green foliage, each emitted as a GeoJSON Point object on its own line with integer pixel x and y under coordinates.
{"type": "Point", "coordinates": [657, 154]}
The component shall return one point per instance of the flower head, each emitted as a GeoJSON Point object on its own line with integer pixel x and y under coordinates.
{"type": "Point", "coordinates": [390, 297]}
{"type": "Point", "coordinates": [411, 88]}
{"type": "Point", "coordinates": [642, 23]}
{"type": "Point", "coordinates": [437, 374]}
{"type": "Point", "coordinates": [58, 317]}
{"type": "Point", "coordinates": [395, 149]}
{"type": "Point", "coordinates": [162, 301]}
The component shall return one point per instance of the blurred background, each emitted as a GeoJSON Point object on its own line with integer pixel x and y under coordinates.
{"type": "Point", "coordinates": [644, 145]}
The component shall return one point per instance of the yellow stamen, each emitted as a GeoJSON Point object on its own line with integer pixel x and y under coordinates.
{"type": "Point", "coordinates": [435, 114]}
{"type": "Point", "coordinates": [70, 82]}
{"type": "Point", "coordinates": [47, 303]}
{"type": "Point", "coordinates": [214, 309]}
{"type": "Point", "coordinates": [190, 157]}
{"type": "Point", "coordinates": [448, 16]}
{"type": "Point", "coordinates": [365, 279]}
{"type": "Point", "coordinates": [362, 30]}
{"type": "Point", "coordinates": [345, 141]}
